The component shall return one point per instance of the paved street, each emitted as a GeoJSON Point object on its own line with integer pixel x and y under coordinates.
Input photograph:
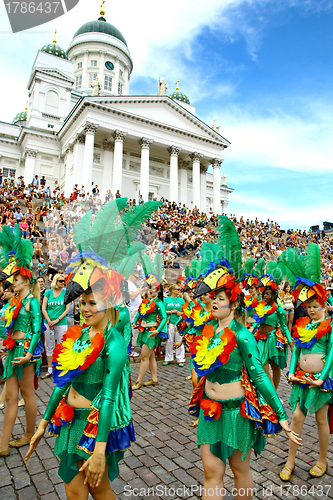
{"type": "Point", "coordinates": [165, 462]}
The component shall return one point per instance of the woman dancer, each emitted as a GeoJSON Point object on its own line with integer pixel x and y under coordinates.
{"type": "Point", "coordinates": [151, 321]}
{"type": "Point", "coordinates": [55, 313]}
{"type": "Point", "coordinates": [310, 373]}
{"type": "Point", "coordinates": [89, 410]}
{"type": "Point", "coordinates": [173, 305]}
{"type": "Point", "coordinates": [271, 331]}
{"type": "Point", "coordinates": [233, 418]}
{"type": "Point", "coordinates": [22, 346]}
{"type": "Point", "coordinates": [288, 304]}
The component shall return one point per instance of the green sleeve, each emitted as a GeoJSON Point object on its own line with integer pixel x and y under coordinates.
{"type": "Point", "coordinates": [250, 354]}
{"type": "Point", "coordinates": [162, 326]}
{"type": "Point", "coordinates": [116, 357]}
{"type": "Point", "coordinates": [294, 359]}
{"type": "Point", "coordinates": [56, 396]}
{"type": "Point", "coordinates": [34, 311]}
{"type": "Point", "coordinates": [137, 316]}
{"type": "Point", "coordinates": [329, 359]}
{"type": "Point", "coordinates": [283, 323]}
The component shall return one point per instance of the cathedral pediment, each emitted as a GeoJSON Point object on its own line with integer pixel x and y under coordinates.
{"type": "Point", "coordinates": [160, 111]}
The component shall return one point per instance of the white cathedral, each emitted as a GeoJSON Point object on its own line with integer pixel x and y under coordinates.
{"type": "Point", "coordinates": [81, 126]}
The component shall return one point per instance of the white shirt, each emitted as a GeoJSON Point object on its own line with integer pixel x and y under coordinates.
{"type": "Point", "coordinates": [133, 303]}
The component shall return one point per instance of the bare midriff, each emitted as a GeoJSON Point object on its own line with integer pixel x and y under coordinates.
{"type": "Point", "coordinates": [224, 391]}
{"type": "Point", "coordinates": [266, 328]}
{"type": "Point", "coordinates": [18, 335]}
{"type": "Point", "coordinates": [76, 400]}
{"type": "Point", "coordinates": [312, 362]}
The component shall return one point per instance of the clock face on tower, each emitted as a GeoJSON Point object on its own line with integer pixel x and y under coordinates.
{"type": "Point", "coordinates": [109, 65]}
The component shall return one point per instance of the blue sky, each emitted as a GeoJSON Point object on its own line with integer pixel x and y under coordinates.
{"type": "Point", "coordinates": [263, 69]}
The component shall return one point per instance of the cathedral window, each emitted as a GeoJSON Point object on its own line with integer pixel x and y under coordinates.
{"type": "Point", "coordinates": [7, 172]}
{"type": "Point", "coordinates": [79, 65]}
{"type": "Point", "coordinates": [120, 88]}
{"type": "Point", "coordinates": [78, 81]}
{"type": "Point", "coordinates": [108, 83]}
{"type": "Point", "coordinates": [92, 77]}
{"type": "Point", "coordinates": [52, 103]}
{"type": "Point", "coordinates": [121, 72]}
{"type": "Point", "coordinates": [93, 62]}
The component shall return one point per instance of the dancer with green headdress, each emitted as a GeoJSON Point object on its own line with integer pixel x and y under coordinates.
{"type": "Point", "coordinates": [23, 346]}
{"type": "Point", "coordinates": [311, 365]}
{"type": "Point", "coordinates": [236, 402]}
{"type": "Point", "coordinates": [151, 321]}
{"type": "Point", "coordinates": [89, 410]}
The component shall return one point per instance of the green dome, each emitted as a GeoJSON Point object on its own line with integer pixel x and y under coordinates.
{"type": "Point", "coordinates": [20, 117]}
{"type": "Point", "coordinates": [179, 96]}
{"type": "Point", "coordinates": [100, 26]}
{"type": "Point", "coordinates": [55, 50]}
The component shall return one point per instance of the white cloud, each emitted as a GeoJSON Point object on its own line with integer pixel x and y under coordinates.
{"type": "Point", "coordinates": [298, 140]}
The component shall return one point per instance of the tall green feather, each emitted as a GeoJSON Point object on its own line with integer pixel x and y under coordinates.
{"type": "Point", "coordinates": [259, 268]}
{"type": "Point", "coordinates": [230, 245]}
{"type": "Point", "coordinates": [126, 266]}
{"type": "Point", "coordinates": [6, 244]}
{"type": "Point", "coordinates": [312, 262]}
{"type": "Point", "coordinates": [249, 265]}
{"type": "Point", "coordinates": [128, 228]}
{"type": "Point", "coordinates": [158, 266]}
{"type": "Point", "coordinates": [81, 232]}
{"type": "Point", "coordinates": [147, 264]}
{"type": "Point", "coordinates": [23, 248]}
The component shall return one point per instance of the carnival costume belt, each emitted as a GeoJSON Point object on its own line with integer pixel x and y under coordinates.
{"type": "Point", "coordinates": [281, 339]}
{"type": "Point", "coordinates": [261, 413]}
{"type": "Point", "coordinates": [148, 325]}
{"type": "Point", "coordinates": [327, 385]}
{"type": "Point", "coordinates": [118, 439]}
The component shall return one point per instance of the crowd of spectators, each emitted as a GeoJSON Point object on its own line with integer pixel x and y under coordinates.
{"type": "Point", "coordinates": [47, 218]}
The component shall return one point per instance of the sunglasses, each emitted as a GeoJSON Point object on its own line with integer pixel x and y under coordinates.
{"type": "Point", "coordinates": [61, 281]}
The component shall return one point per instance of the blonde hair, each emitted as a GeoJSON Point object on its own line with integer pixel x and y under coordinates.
{"type": "Point", "coordinates": [55, 279]}
{"type": "Point", "coordinates": [35, 290]}
{"type": "Point", "coordinates": [112, 315]}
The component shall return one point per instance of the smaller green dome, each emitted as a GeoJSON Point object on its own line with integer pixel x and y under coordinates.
{"type": "Point", "coordinates": [55, 50]}
{"type": "Point", "coordinates": [179, 96]}
{"type": "Point", "coordinates": [20, 117]}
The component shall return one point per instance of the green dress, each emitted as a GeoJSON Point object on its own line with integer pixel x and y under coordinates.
{"type": "Point", "coordinates": [30, 323]}
{"type": "Point", "coordinates": [232, 431]}
{"type": "Point", "coordinates": [158, 315]}
{"type": "Point", "coordinates": [105, 382]}
{"type": "Point", "coordinates": [312, 399]}
{"type": "Point", "coordinates": [268, 347]}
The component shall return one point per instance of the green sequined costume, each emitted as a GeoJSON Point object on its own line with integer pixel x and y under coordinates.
{"type": "Point", "coordinates": [105, 382]}
{"type": "Point", "coordinates": [30, 323]}
{"type": "Point", "coordinates": [312, 399]}
{"type": "Point", "coordinates": [143, 336]}
{"type": "Point", "coordinates": [267, 348]}
{"type": "Point", "coordinates": [232, 431]}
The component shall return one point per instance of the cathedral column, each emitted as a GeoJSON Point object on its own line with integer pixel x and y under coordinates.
{"type": "Point", "coordinates": [216, 163]}
{"type": "Point", "coordinates": [88, 158]}
{"type": "Point", "coordinates": [196, 157]}
{"type": "Point", "coordinates": [78, 153]}
{"type": "Point", "coordinates": [144, 172]}
{"type": "Point", "coordinates": [224, 206]}
{"type": "Point", "coordinates": [107, 167]}
{"type": "Point", "coordinates": [29, 165]}
{"type": "Point", "coordinates": [117, 176]}
{"type": "Point", "coordinates": [68, 170]}
{"type": "Point", "coordinates": [173, 190]}
{"type": "Point", "coordinates": [203, 183]}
